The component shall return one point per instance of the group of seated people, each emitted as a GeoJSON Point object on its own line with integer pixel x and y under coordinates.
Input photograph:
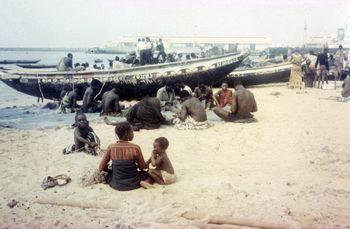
{"type": "Point", "coordinates": [188, 108]}
{"type": "Point", "coordinates": [241, 102]}
{"type": "Point", "coordinates": [128, 168]}
{"type": "Point", "coordinates": [69, 97]}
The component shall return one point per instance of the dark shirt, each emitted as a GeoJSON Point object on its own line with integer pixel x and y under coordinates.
{"type": "Point", "coordinates": [68, 62]}
{"type": "Point", "coordinates": [160, 47]}
{"type": "Point", "coordinates": [322, 59]}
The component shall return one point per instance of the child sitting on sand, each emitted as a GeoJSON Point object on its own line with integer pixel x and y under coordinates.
{"type": "Point", "coordinates": [128, 164]}
{"type": "Point", "coordinates": [85, 138]}
{"type": "Point", "coordinates": [164, 172]}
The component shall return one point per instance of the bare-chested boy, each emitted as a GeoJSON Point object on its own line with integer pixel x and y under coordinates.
{"type": "Point", "coordinates": [85, 138]}
{"type": "Point", "coordinates": [164, 172]}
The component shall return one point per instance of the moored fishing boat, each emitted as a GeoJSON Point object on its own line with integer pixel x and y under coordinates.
{"type": "Point", "coordinates": [132, 83]}
{"type": "Point", "coordinates": [36, 66]}
{"type": "Point", "coordinates": [19, 61]}
{"type": "Point", "coordinates": [273, 73]}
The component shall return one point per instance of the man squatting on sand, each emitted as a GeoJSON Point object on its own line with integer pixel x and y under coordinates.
{"type": "Point", "coordinates": [146, 114]}
{"type": "Point", "coordinates": [205, 95]}
{"type": "Point", "coordinates": [90, 105]}
{"type": "Point", "coordinates": [166, 96]}
{"type": "Point", "coordinates": [192, 115]}
{"type": "Point", "coordinates": [243, 103]}
{"type": "Point", "coordinates": [110, 103]}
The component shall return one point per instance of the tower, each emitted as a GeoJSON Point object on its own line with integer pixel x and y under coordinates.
{"type": "Point", "coordinates": [305, 34]}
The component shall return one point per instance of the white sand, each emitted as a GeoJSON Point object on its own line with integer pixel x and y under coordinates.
{"type": "Point", "coordinates": [292, 165]}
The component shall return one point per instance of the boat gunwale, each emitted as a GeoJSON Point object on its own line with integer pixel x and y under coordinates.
{"type": "Point", "coordinates": [131, 69]}
{"type": "Point", "coordinates": [261, 70]}
{"type": "Point", "coordinates": [105, 73]}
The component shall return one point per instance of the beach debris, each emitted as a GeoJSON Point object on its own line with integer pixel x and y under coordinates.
{"type": "Point", "coordinates": [59, 180]}
{"type": "Point", "coordinates": [302, 92]}
{"type": "Point", "coordinates": [219, 220]}
{"type": "Point", "coordinates": [92, 177]}
{"type": "Point", "coordinates": [248, 120]}
{"type": "Point", "coordinates": [12, 203]}
{"type": "Point", "coordinates": [76, 204]}
{"type": "Point", "coordinates": [276, 94]}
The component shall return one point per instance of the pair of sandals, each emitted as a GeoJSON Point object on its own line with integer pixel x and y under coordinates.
{"type": "Point", "coordinates": [58, 180]}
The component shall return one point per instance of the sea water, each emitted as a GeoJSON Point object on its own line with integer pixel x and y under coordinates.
{"type": "Point", "coordinates": [21, 111]}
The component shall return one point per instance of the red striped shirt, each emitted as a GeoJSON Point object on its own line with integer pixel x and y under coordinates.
{"type": "Point", "coordinates": [123, 150]}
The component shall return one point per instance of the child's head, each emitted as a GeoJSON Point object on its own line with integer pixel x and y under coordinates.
{"type": "Point", "coordinates": [81, 120]}
{"type": "Point", "coordinates": [124, 131]}
{"type": "Point", "coordinates": [224, 86]}
{"type": "Point", "coordinates": [160, 144]}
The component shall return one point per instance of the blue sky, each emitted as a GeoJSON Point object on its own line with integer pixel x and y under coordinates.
{"type": "Point", "coordinates": [87, 23]}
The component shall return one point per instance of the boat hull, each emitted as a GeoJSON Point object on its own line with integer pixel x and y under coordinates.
{"type": "Point", "coordinates": [132, 83]}
{"type": "Point", "coordinates": [35, 66]}
{"type": "Point", "coordinates": [277, 74]}
{"type": "Point", "coordinates": [19, 61]}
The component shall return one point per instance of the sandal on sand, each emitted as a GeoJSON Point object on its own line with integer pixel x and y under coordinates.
{"type": "Point", "coordinates": [59, 180]}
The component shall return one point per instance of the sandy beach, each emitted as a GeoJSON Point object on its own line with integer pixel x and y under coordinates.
{"type": "Point", "coordinates": [292, 165]}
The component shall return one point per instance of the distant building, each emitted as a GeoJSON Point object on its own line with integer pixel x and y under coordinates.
{"type": "Point", "coordinates": [193, 43]}
{"type": "Point", "coordinates": [333, 41]}
{"type": "Point", "coordinates": [342, 37]}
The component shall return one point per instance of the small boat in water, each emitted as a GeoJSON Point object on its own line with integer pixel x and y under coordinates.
{"type": "Point", "coordinates": [36, 66]}
{"type": "Point", "coordinates": [19, 61]}
{"type": "Point", "coordinates": [98, 61]}
{"type": "Point", "coordinates": [132, 83]}
{"type": "Point", "coordinates": [274, 73]}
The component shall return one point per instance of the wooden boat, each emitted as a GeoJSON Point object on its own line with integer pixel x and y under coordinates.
{"type": "Point", "coordinates": [98, 61]}
{"type": "Point", "coordinates": [19, 61]}
{"type": "Point", "coordinates": [132, 83]}
{"type": "Point", "coordinates": [274, 73]}
{"type": "Point", "coordinates": [36, 66]}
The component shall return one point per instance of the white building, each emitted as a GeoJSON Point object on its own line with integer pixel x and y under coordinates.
{"type": "Point", "coordinates": [194, 43]}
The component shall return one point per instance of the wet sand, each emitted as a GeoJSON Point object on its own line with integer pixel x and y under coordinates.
{"type": "Point", "coordinates": [292, 165]}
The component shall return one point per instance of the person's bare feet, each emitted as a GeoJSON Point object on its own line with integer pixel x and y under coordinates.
{"type": "Point", "coordinates": [146, 185]}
